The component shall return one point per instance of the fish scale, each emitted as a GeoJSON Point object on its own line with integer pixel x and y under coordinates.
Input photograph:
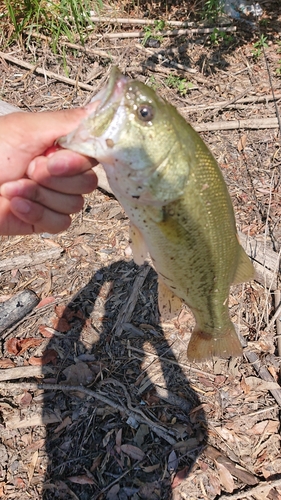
{"type": "Point", "coordinates": [173, 191]}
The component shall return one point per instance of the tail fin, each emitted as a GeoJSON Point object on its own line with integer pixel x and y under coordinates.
{"type": "Point", "coordinates": [203, 346]}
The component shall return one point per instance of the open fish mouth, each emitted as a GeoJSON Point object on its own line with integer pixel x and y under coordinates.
{"type": "Point", "coordinates": [113, 92]}
{"type": "Point", "coordinates": [104, 103]}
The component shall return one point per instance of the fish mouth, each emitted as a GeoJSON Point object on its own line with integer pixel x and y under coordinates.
{"type": "Point", "coordinates": [112, 94]}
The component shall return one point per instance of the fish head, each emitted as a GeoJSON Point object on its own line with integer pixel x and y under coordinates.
{"type": "Point", "coordinates": [130, 132]}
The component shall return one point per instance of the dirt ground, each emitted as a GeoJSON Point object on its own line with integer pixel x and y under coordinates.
{"type": "Point", "coordinates": [144, 423]}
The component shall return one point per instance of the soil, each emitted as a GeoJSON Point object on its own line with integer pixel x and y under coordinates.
{"type": "Point", "coordinates": [141, 421]}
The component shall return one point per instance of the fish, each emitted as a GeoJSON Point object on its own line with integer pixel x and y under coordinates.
{"type": "Point", "coordinates": [175, 196]}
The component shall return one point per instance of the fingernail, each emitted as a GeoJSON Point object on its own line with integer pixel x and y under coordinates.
{"type": "Point", "coordinates": [21, 206]}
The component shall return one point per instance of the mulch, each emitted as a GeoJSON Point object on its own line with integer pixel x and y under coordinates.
{"type": "Point", "coordinates": [104, 404]}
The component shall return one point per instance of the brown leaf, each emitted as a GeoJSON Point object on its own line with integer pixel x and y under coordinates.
{"type": "Point", "coordinates": [180, 476]}
{"type": "Point", "coordinates": [66, 421]}
{"type": "Point", "coordinates": [81, 479]}
{"type": "Point", "coordinates": [19, 482]}
{"type": "Point", "coordinates": [6, 363]}
{"type": "Point", "coordinates": [46, 331]}
{"type": "Point", "coordinates": [226, 478]}
{"type": "Point", "coordinates": [45, 301]}
{"type": "Point", "coordinates": [242, 143]}
{"type": "Point", "coordinates": [113, 492]}
{"type": "Point", "coordinates": [61, 325]}
{"type": "Point", "coordinates": [132, 451]}
{"type": "Point", "coordinates": [49, 356]}
{"type": "Point", "coordinates": [19, 346]}
{"type": "Point", "coordinates": [78, 374]}
{"type": "Point", "coordinates": [25, 399]}
{"type": "Point", "coordinates": [32, 465]}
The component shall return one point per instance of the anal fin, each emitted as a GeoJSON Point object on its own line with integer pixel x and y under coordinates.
{"type": "Point", "coordinates": [245, 270]}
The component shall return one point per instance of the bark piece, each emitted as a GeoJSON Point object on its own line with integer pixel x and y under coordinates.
{"type": "Point", "coordinates": [16, 308]}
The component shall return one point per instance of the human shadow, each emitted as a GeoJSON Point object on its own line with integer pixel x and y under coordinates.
{"type": "Point", "coordinates": [97, 451]}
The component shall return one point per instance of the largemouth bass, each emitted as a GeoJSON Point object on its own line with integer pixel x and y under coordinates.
{"type": "Point", "coordinates": [174, 193]}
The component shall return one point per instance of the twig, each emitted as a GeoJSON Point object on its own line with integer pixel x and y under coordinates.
{"type": "Point", "coordinates": [94, 52]}
{"type": "Point", "coordinates": [16, 308]}
{"type": "Point", "coordinates": [277, 297]}
{"type": "Point", "coordinates": [225, 104]}
{"type": "Point", "coordinates": [257, 123]}
{"type": "Point", "coordinates": [251, 492]}
{"type": "Point", "coordinates": [135, 413]}
{"type": "Point", "coordinates": [24, 372]}
{"type": "Point", "coordinates": [30, 259]}
{"type": "Point", "coordinates": [50, 74]}
{"type": "Point", "coordinates": [172, 362]}
{"type": "Point", "coordinates": [263, 373]}
{"type": "Point", "coordinates": [145, 22]}
{"type": "Point", "coordinates": [141, 34]}
{"type": "Point", "coordinates": [127, 309]}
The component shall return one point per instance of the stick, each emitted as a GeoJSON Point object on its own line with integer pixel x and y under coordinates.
{"type": "Point", "coordinates": [262, 488]}
{"type": "Point", "coordinates": [142, 34]}
{"type": "Point", "coordinates": [16, 308]}
{"type": "Point", "coordinates": [263, 373]}
{"type": "Point", "coordinates": [277, 297]}
{"type": "Point", "coordinates": [145, 22]}
{"type": "Point", "coordinates": [94, 52]}
{"type": "Point", "coordinates": [225, 104]}
{"type": "Point", "coordinates": [255, 124]}
{"type": "Point", "coordinates": [135, 413]}
{"type": "Point", "coordinates": [127, 309]}
{"type": "Point", "coordinates": [44, 72]}
{"type": "Point", "coordinates": [30, 259]}
{"type": "Point", "coordinates": [24, 372]}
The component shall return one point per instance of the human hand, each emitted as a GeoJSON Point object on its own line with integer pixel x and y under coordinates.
{"type": "Point", "coordinates": [37, 193]}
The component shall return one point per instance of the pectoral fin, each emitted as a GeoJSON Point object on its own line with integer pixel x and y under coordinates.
{"type": "Point", "coordinates": [169, 304]}
{"type": "Point", "coordinates": [245, 270]}
{"type": "Point", "coordinates": [138, 245]}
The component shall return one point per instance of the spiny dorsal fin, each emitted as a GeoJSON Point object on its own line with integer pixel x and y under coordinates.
{"type": "Point", "coordinates": [138, 245]}
{"type": "Point", "coordinates": [169, 304]}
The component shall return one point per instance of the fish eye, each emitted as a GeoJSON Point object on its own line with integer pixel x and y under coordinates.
{"type": "Point", "coordinates": [145, 113]}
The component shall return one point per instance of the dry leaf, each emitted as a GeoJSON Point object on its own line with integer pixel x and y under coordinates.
{"type": "Point", "coordinates": [132, 451]}
{"type": "Point", "coordinates": [66, 421]}
{"type": "Point", "coordinates": [226, 478]}
{"type": "Point", "coordinates": [61, 325]}
{"type": "Point", "coordinates": [172, 462]}
{"type": "Point", "coordinates": [19, 482]}
{"type": "Point", "coordinates": [25, 399]}
{"type": "Point", "coordinates": [118, 440]}
{"type": "Point", "coordinates": [78, 374]}
{"type": "Point", "coordinates": [19, 346]}
{"type": "Point", "coordinates": [6, 363]}
{"type": "Point", "coordinates": [256, 384]}
{"type": "Point", "coordinates": [81, 479]}
{"type": "Point", "coordinates": [45, 301]}
{"type": "Point", "coordinates": [32, 465]}
{"type": "Point", "coordinates": [46, 331]}
{"type": "Point", "coordinates": [112, 494]}
{"type": "Point", "coordinates": [242, 143]}
{"type": "Point", "coordinates": [180, 476]}
{"type": "Point", "coordinates": [49, 356]}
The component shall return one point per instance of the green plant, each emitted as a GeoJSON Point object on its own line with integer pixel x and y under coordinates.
{"type": "Point", "coordinates": [219, 36]}
{"type": "Point", "coordinates": [259, 46]}
{"type": "Point", "coordinates": [54, 18]}
{"type": "Point", "coordinates": [154, 31]}
{"type": "Point", "coordinates": [212, 9]}
{"type": "Point", "coordinates": [179, 84]}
